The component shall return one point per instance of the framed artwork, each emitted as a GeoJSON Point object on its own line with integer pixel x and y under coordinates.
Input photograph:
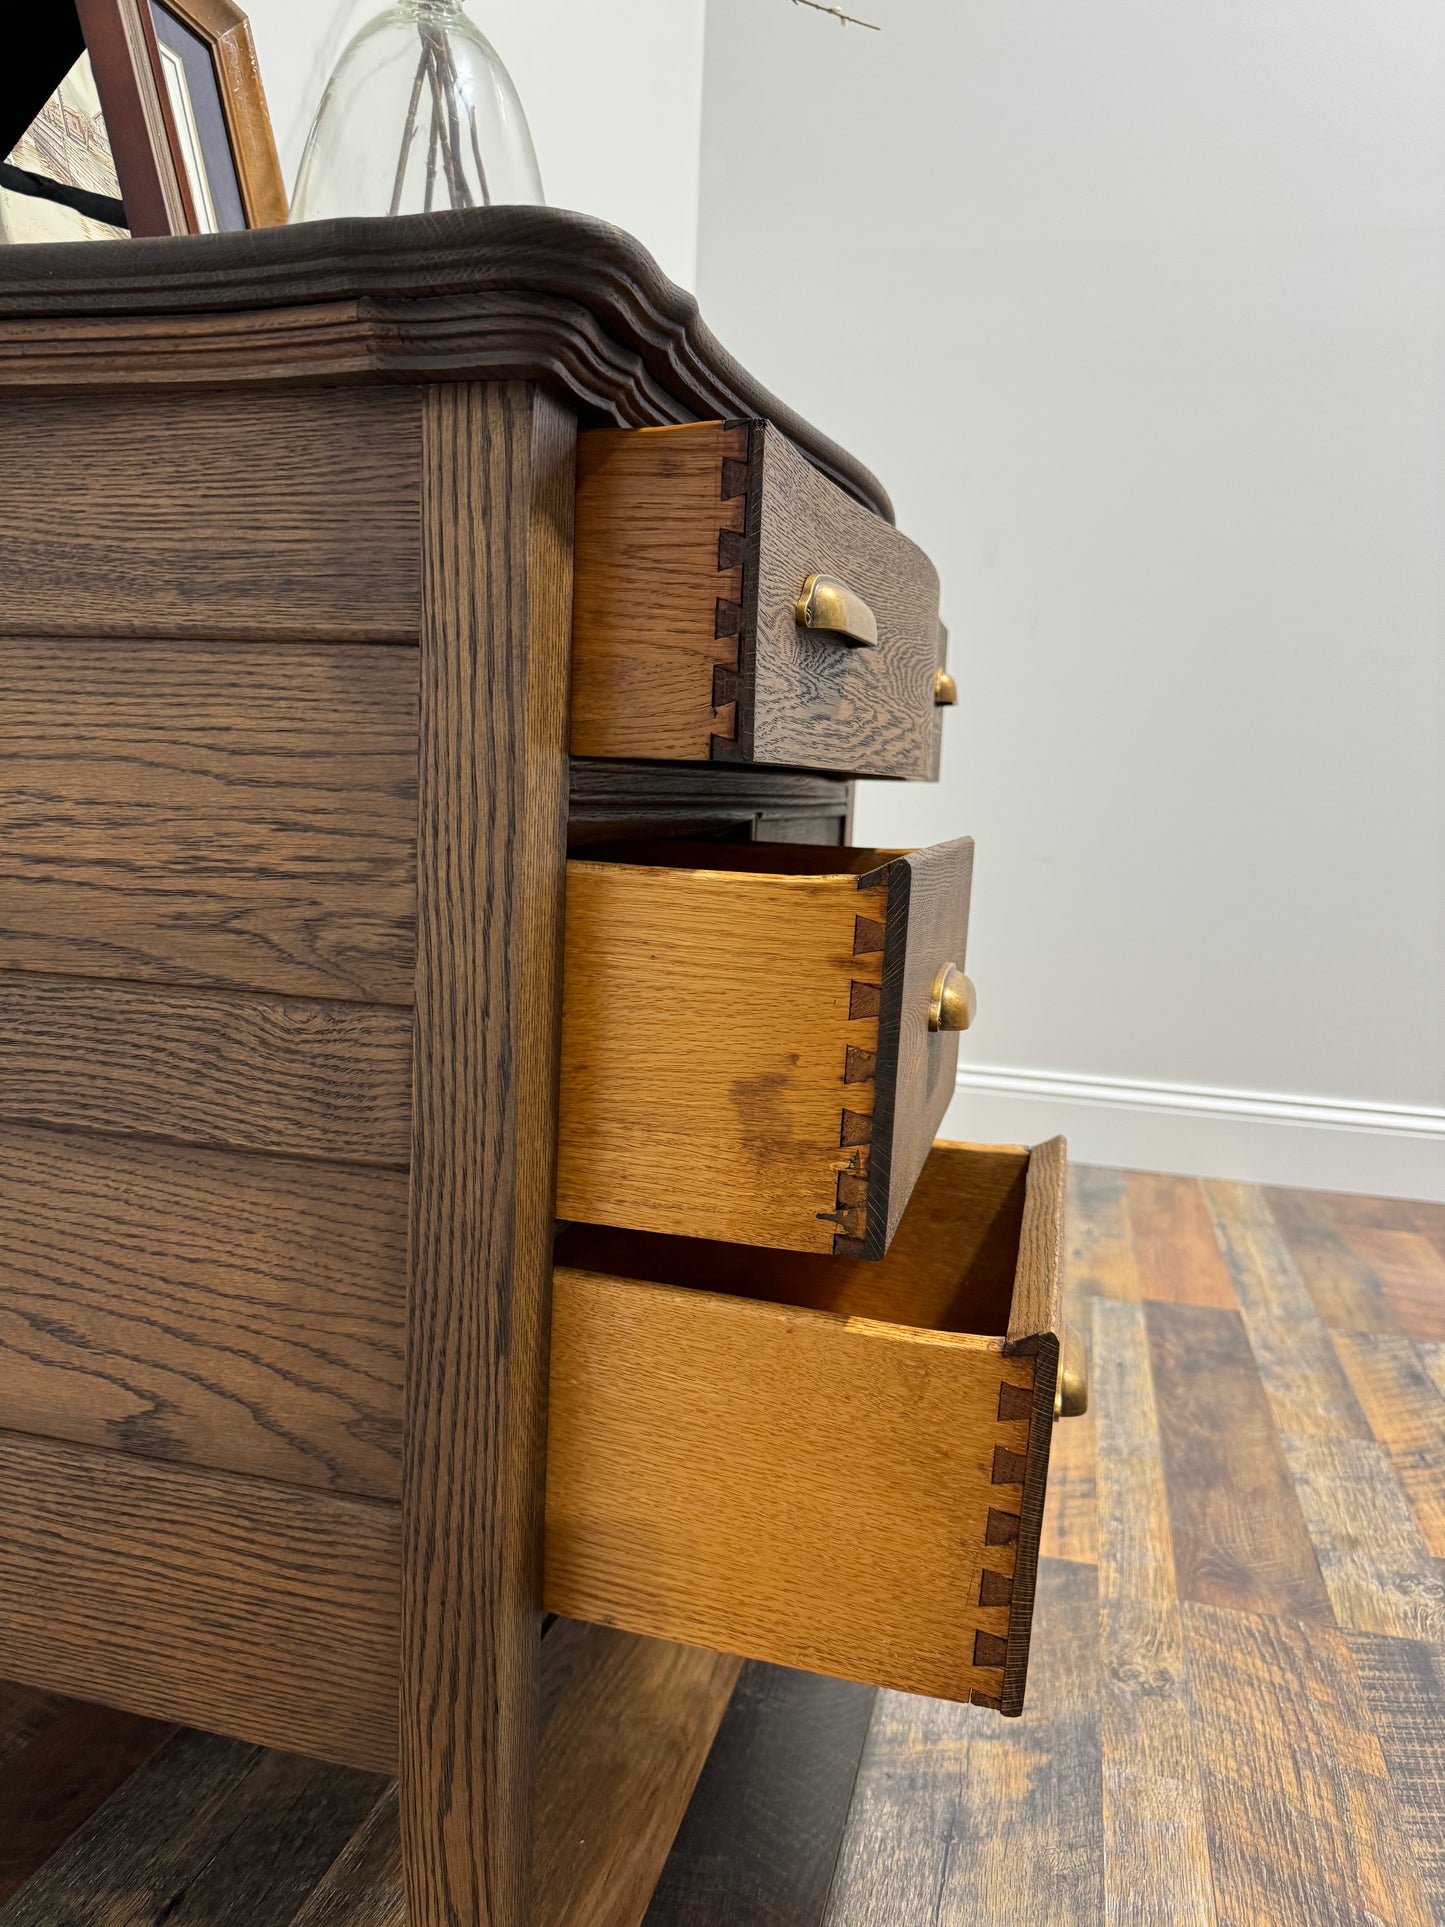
{"type": "Point", "coordinates": [182, 112]}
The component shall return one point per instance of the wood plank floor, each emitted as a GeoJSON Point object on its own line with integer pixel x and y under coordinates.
{"type": "Point", "coordinates": [1236, 1713]}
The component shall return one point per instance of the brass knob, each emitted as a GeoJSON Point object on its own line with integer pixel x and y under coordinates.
{"type": "Point", "coordinates": [955, 1001]}
{"type": "Point", "coordinates": [830, 608]}
{"type": "Point", "coordinates": [945, 690]}
{"type": "Point", "coordinates": [1071, 1396]}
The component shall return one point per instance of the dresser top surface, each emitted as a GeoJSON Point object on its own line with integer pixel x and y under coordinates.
{"type": "Point", "coordinates": [510, 292]}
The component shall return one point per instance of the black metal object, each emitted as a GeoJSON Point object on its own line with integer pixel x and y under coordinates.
{"type": "Point", "coordinates": [99, 207]}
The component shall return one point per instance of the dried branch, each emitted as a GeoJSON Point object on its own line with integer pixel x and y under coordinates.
{"type": "Point", "coordinates": [843, 19]}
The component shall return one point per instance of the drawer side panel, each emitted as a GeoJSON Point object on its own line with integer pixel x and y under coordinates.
{"type": "Point", "coordinates": [823, 1493]}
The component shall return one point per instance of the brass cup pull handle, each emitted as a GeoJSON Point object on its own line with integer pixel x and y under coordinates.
{"type": "Point", "coordinates": [1071, 1395]}
{"type": "Point", "coordinates": [830, 608]}
{"type": "Point", "coordinates": [955, 1001]}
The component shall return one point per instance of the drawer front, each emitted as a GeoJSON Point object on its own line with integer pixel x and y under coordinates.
{"type": "Point", "coordinates": [819, 1462]}
{"type": "Point", "coordinates": [694, 547]}
{"type": "Point", "coordinates": [746, 1046]}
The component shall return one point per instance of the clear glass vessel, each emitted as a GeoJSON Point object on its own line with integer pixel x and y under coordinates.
{"type": "Point", "coordinates": [420, 114]}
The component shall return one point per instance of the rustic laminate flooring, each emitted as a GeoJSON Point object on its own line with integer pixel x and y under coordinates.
{"type": "Point", "coordinates": [1236, 1712]}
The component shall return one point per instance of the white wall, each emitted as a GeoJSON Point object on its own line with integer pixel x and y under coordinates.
{"type": "Point", "coordinates": [612, 91]}
{"type": "Point", "coordinates": [1144, 327]}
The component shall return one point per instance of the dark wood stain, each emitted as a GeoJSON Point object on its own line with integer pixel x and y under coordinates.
{"type": "Point", "coordinates": [808, 699]}
{"type": "Point", "coordinates": [503, 293]}
{"type": "Point", "coordinates": [258, 1609]}
{"type": "Point", "coordinates": [205, 1308]}
{"type": "Point", "coordinates": [497, 495]}
{"type": "Point", "coordinates": [308, 1078]}
{"type": "Point", "coordinates": [201, 813]}
{"type": "Point", "coordinates": [300, 509]}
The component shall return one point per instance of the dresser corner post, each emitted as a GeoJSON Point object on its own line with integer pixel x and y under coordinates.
{"type": "Point", "coordinates": [498, 467]}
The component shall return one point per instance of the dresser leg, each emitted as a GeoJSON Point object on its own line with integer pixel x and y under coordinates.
{"type": "Point", "coordinates": [497, 492]}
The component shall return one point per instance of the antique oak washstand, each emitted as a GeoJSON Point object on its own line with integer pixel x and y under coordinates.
{"type": "Point", "coordinates": [323, 548]}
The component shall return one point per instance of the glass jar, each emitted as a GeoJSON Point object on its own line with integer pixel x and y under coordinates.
{"type": "Point", "coordinates": [419, 114]}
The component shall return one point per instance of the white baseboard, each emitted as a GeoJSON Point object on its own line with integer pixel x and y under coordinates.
{"type": "Point", "coordinates": [1256, 1136]}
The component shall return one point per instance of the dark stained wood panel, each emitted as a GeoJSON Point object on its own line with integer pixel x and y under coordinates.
{"type": "Point", "coordinates": [229, 1603]}
{"type": "Point", "coordinates": [240, 515]}
{"type": "Point", "coordinates": [759, 1842]}
{"type": "Point", "coordinates": [501, 293]}
{"type": "Point", "coordinates": [497, 510]}
{"type": "Point", "coordinates": [816, 702]}
{"type": "Point", "coordinates": [1239, 1535]}
{"type": "Point", "coordinates": [309, 1078]}
{"type": "Point", "coordinates": [195, 812]}
{"type": "Point", "coordinates": [241, 1313]}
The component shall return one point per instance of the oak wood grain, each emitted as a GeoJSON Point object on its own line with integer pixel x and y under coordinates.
{"type": "Point", "coordinates": [497, 505]}
{"type": "Point", "coordinates": [1239, 1537]}
{"type": "Point", "coordinates": [811, 1130]}
{"type": "Point", "coordinates": [509, 293]}
{"type": "Point", "coordinates": [620, 1758]}
{"type": "Point", "coordinates": [204, 1308]}
{"type": "Point", "coordinates": [209, 814]}
{"type": "Point", "coordinates": [1302, 1823]}
{"type": "Point", "coordinates": [747, 1145]}
{"type": "Point", "coordinates": [628, 1724]}
{"type": "Point", "coordinates": [299, 1077]}
{"type": "Point", "coordinates": [301, 509]}
{"type": "Point", "coordinates": [816, 1488]}
{"type": "Point", "coordinates": [1156, 1852]}
{"type": "Point", "coordinates": [658, 547]}
{"type": "Point", "coordinates": [255, 1609]}
{"type": "Point", "coordinates": [759, 1842]}
{"type": "Point", "coordinates": [807, 699]}
{"type": "Point", "coordinates": [925, 929]}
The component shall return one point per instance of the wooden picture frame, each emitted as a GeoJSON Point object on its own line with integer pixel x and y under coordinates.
{"type": "Point", "coordinates": [185, 111]}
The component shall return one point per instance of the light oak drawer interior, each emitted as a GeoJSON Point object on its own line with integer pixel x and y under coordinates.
{"type": "Point", "coordinates": [824, 1463]}
{"type": "Point", "coordinates": [694, 546]}
{"type": "Point", "coordinates": [746, 1050]}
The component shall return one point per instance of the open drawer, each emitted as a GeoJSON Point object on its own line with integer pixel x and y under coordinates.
{"type": "Point", "coordinates": [820, 1462]}
{"type": "Point", "coordinates": [758, 1040]}
{"type": "Point", "coordinates": [733, 605]}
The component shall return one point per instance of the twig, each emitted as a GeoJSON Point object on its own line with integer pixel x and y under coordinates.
{"type": "Point", "coordinates": [843, 19]}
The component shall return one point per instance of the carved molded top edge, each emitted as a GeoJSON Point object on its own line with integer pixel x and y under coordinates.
{"type": "Point", "coordinates": [472, 256]}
